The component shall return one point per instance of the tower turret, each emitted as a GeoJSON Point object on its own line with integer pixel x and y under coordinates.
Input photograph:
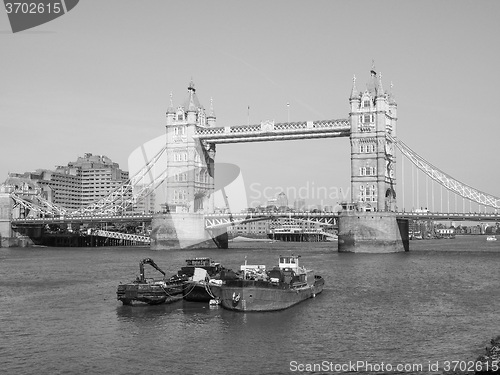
{"type": "Point", "coordinates": [211, 114]}
{"type": "Point", "coordinates": [170, 112]}
{"type": "Point", "coordinates": [191, 107]}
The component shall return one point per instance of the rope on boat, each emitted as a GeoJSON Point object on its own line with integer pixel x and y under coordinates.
{"type": "Point", "coordinates": [170, 295]}
{"type": "Point", "coordinates": [188, 293]}
{"type": "Point", "coordinates": [209, 291]}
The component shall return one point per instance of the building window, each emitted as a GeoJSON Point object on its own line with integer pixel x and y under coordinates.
{"type": "Point", "coordinates": [367, 118]}
{"type": "Point", "coordinates": [366, 103]}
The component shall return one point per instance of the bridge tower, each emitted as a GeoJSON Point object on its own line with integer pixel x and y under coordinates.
{"type": "Point", "coordinates": [373, 116]}
{"type": "Point", "coordinates": [190, 162]}
{"type": "Point", "coordinates": [190, 180]}
{"type": "Point", "coordinates": [373, 226]}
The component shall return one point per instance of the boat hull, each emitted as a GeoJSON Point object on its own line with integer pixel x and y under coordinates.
{"type": "Point", "coordinates": [251, 295]}
{"type": "Point", "coordinates": [200, 291]}
{"type": "Point", "coordinates": [151, 294]}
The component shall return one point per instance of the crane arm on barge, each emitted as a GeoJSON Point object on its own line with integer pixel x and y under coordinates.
{"type": "Point", "coordinates": [152, 264]}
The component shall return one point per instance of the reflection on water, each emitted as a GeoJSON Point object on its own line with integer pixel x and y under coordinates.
{"type": "Point", "coordinates": [59, 311]}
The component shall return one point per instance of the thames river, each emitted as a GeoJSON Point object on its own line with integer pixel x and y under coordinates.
{"type": "Point", "coordinates": [439, 302]}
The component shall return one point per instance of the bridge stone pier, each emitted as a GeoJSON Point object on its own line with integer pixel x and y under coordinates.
{"type": "Point", "coordinates": [20, 237]}
{"type": "Point", "coordinates": [372, 232]}
{"type": "Point", "coordinates": [185, 230]}
{"type": "Point", "coordinates": [5, 222]}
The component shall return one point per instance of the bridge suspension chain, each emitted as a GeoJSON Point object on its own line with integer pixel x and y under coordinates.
{"type": "Point", "coordinates": [124, 196]}
{"type": "Point", "coordinates": [450, 183]}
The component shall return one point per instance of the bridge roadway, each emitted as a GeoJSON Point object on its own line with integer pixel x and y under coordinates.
{"type": "Point", "coordinates": [458, 216]}
{"type": "Point", "coordinates": [67, 219]}
{"type": "Point", "coordinates": [224, 219]}
{"type": "Point", "coordinates": [270, 131]}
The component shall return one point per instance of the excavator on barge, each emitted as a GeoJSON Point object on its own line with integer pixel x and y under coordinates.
{"type": "Point", "coordinates": [149, 290]}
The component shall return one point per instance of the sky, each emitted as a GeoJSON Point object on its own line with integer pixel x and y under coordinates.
{"type": "Point", "coordinates": [99, 80]}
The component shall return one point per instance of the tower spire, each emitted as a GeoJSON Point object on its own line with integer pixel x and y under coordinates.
{"type": "Point", "coordinates": [192, 101]}
{"type": "Point", "coordinates": [211, 112]}
{"type": "Point", "coordinates": [380, 89]}
{"type": "Point", "coordinates": [171, 109]}
{"type": "Point", "coordinates": [354, 91]}
{"type": "Point", "coordinates": [191, 85]}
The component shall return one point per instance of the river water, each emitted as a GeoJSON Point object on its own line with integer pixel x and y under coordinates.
{"type": "Point", "coordinates": [439, 302]}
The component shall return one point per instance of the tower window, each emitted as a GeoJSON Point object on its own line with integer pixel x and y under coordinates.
{"type": "Point", "coordinates": [367, 117]}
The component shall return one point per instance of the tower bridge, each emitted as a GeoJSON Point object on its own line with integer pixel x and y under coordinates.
{"type": "Point", "coordinates": [190, 171]}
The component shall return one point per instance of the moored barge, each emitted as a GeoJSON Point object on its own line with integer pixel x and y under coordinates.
{"type": "Point", "coordinates": [278, 289]}
{"type": "Point", "coordinates": [200, 274]}
{"type": "Point", "coordinates": [150, 291]}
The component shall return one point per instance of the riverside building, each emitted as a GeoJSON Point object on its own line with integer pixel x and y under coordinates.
{"type": "Point", "coordinates": [76, 185]}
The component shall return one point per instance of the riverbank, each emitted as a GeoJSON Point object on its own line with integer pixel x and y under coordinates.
{"type": "Point", "coordinates": [249, 239]}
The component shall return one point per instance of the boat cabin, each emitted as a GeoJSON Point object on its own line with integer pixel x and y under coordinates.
{"type": "Point", "coordinates": [207, 264]}
{"type": "Point", "coordinates": [199, 262]}
{"type": "Point", "coordinates": [290, 262]}
{"type": "Point", "coordinates": [292, 272]}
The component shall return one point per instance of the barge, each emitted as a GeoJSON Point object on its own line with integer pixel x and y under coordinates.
{"type": "Point", "coordinates": [280, 288]}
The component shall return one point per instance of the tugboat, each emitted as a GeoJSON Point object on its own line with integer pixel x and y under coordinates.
{"type": "Point", "coordinates": [151, 291]}
{"type": "Point", "coordinates": [203, 276]}
{"type": "Point", "coordinates": [278, 289]}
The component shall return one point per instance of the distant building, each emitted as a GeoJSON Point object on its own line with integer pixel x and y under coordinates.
{"type": "Point", "coordinates": [255, 228]}
{"type": "Point", "coordinates": [76, 185]}
{"type": "Point", "coordinates": [445, 232]}
{"type": "Point", "coordinates": [147, 203]}
{"type": "Point", "coordinates": [272, 202]}
{"type": "Point", "coordinates": [474, 230]}
{"type": "Point", "coordinates": [282, 200]}
{"type": "Point", "coordinates": [299, 205]}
